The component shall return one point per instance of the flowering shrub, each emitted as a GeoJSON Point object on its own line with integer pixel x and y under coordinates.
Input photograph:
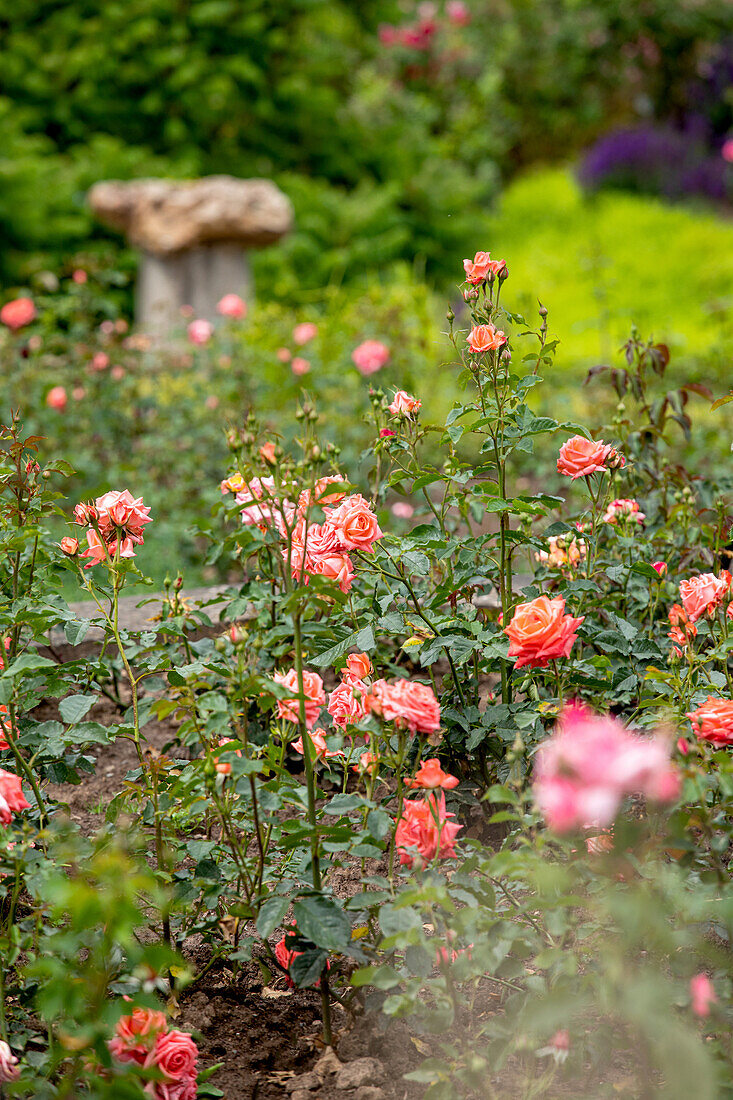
{"type": "Point", "coordinates": [551, 898]}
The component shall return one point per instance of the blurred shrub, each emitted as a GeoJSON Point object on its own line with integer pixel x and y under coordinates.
{"type": "Point", "coordinates": [388, 124]}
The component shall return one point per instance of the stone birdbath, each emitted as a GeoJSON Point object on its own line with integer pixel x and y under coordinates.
{"type": "Point", "coordinates": [193, 236]}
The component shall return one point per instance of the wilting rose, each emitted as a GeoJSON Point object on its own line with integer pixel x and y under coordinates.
{"type": "Point", "coordinates": [231, 305]}
{"type": "Point", "coordinates": [18, 313]}
{"type": "Point", "coordinates": [370, 356]}
{"type": "Point", "coordinates": [540, 631]}
{"type": "Point", "coordinates": [403, 404]}
{"type": "Point", "coordinates": [304, 332]}
{"type": "Point", "coordinates": [702, 595]}
{"type": "Point", "coordinates": [315, 696]}
{"type": "Point", "coordinates": [713, 721]}
{"type": "Point", "coordinates": [483, 338]}
{"type": "Point", "coordinates": [200, 332]}
{"type": "Point", "coordinates": [356, 524]}
{"type": "Point", "coordinates": [430, 775]}
{"type": "Point", "coordinates": [581, 457]}
{"type": "Point", "coordinates": [56, 398]}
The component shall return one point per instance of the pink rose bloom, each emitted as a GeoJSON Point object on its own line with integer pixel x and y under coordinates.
{"type": "Point", "coordinates": [370, 356]}
{"type": "Point", "coordinates": [175, 1055]}
{"type": "Point", "coordinates": [702, 994]}
{"type": "Point", "coordinates": [323, 540]}
{"type": "Point", "coordinates": [300, 366]}
{"type": "Point", "coordinates": [56, 398]}
{"type": "Point", "coordinates": [347, 703]}
{"type": "Point", "coordinates": [540, 632]}
{"type": "Point", "coordinates": [119, 509]}
{"type": "Point", "coordinates": [100, 361]}
{"type": "Point", "coordinates": [403, 404]}
{"type": "Point", "coordinates": [231, 305]}
{"type": "Point", "coordinates": [425, 826]}
{"type": "Point", "coordinates": [458, 13]}
{"type": "Point", "coordinates": [18, 313]}
{"type": "Point", "coordinates": [356, 523]}
{"type": "Point", "coordinates": [624, 509]}
{"type": "Point", "coordinates": [702, 595]}
{"type": "Point", "coordinates": [327, 490]}
{"type": "Point", "coordinates": [183, 1089]}
{"type": "Point", "coordinates": [660, 567]}
{"type": "Point", "coordinates": [200, 332]}
{"type": "Point", "coordinates": [483, 338]}
{"type": "Point", "coordinates": [386, 433]}
{"type": "Point", "coordinates": [335, 567]}
{"type": "Point", "coordinates": [283, 354]}
{"type": "Point", "coordinates": [580, 457]}
{"type": "Point", "coordinates": [315, 696]}
{"type": "Point", "coordinates": [727, 150]}
{"type": "Point", "coordinates": [304, 332]}
{"type": "Point", "coordinates": [318, 741]}
{"type": "Point", "coordinates": [407, 703]}
{"type": "Point", "coordinates": [9, 1068]}
{"type": "Point", "coordinates": [12, 799]}
{"type": "Point", "coordinates": [590, 763]}
{"type": "Point", "coordinates": [79, 276]}
{"type": "Point", "coordinates": [402, 510]}
{"type": "Point", "coordinates": [480, 268]}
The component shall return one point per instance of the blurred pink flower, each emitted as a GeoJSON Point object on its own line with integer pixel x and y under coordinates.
{"type": "Point", "coordinates": [231, 305]}
{"type": "Point", "coordinates": [79, 276]}
{"type": "Point", "coordinates": [200, 332]}
{"type": "Point", "coordinates": [702, 994]}
{"type": "Point", "coordinates": [304, 332]}
{"type": "Point", "coordinates": [458, 13]}
{"type": "Point", "coordinates": [370, 356]}
{"type": "Point", "coordinates": [117, 373]}
{"type": "Point", "coordinates": [727, 151]}
{"type": "Point", "coordinates": [56, 398]}
{"type": "Point", "coordinates": [100, 361]}
{"type": "Point", "coordinates": [299, 365]}
{"type": "Point", "coordinates": [284, 355]}
{"type": "Point", "coordinates": [18, 313]}
{"type": "Point", "coordinates": [402, 510]}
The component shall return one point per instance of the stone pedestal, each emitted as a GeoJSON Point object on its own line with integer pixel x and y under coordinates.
{"type": "Point", "coordinates": [198, 278]}
{"type": "Point", "coordinates": [193, 236]}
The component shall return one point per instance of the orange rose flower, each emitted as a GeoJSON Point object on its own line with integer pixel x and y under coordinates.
{"type": "Point", "coordinates": [702, 595]}
{"type": "Point", "coordinates": [485, 338]}
{"type": "Point", "coordinates": [430, 775]}
{"type": "Point", "coordinates": [540, 631]}
{"type": "Point", "coordinates": [713, 721]}
{"type": "Point", "coordinates": [581, 457]}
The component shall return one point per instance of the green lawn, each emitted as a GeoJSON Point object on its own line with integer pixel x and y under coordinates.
{"type": "Point", "coordinates": [604, 263]}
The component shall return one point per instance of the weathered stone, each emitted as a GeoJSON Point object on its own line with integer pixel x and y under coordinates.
{"type": "Point", "coordinates": [301, 1094]}
{"type": "Point", "coordinates": [327, 1065]}
{"type": "Point", "coordinates": [305, 1081]}
{"type": "Point", "coordinates": [369, 1092]}
{"type": "Point", "coordinates": [363, 1071]}
{"type": "Point", "coordinates": [163, 216]}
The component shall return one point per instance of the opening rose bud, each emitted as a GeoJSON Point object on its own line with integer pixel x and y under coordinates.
{"type": "Point", "coordinates": [69, 546]}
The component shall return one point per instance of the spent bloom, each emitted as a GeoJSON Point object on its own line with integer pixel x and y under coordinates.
{"type": "Point", "coordinates": [231, 305]}
{"type": "Point", "coordinates": [624, 509]}
{"type": "Point", "coordinates": [713, 721]}
{"type": "Point", "coordinates": [581, 457]}
{"type": "Point", "coordinates": [424, 829]}
{"type": "Point", "coordinates": [315, 696]}
{"type": "Point", "coordinates": [540, 632]}
{"type": "Point", "coordinates": [590, 763]}
{"type": "Point", "coordinates": [702, 595]}
{"type": "Point", "coordinates": [483, 338]}
{"type": "Point", "coordinates": [403, 404]}
{"type": "Point", "coordinates": [370, 356]}
{"type": "Point", "coordinates": [18, 313]}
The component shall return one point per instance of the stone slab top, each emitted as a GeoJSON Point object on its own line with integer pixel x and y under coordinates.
{"type": "Point", "coordinates": [166, 216]}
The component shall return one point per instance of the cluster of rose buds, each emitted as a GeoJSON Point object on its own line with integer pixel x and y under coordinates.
{"type": "Point", "coordinates": [590, 763]}
{"type": "Point", "coordinates": [626, 510]}
{"type": "Point", "coordinates": [115, 523]}
{"type": "Point", "coordinates": [143, 1037]}
{"type": "Point", "coordinates": [564, 553]}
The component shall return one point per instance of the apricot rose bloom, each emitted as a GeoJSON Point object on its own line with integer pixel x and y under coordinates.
{"type": "Point", "coordinates": [317, 739]}
{"type": "Point", "coordinates": [135, 1034]}
{"type": "Point", "coordinates": [540, 632]}
{"type": "Point", "coordinates": [483, 338]}
{"type": "Point", "coordinates": [424, 827]}
{"type": "Point", "coordinates": [403, 404]}
{"type": "Point", "coordinates": [12, 799]}
{"type": "Point", "coordinates": [315, 696]}
{"type": "Point", "coordinates": [430, 775]}
{"type": "Point", "coordinates": [69, 546]}
{"type": "Point", "coordinates": [358, 666]}
{"type": "Point", "coordinates": [356, 524]}
{"type": "Point", "coordinates": [481, 267]}
{"type": "Point", "coordinates": [581, 457]}
{"type": "Point", "coordinates": [713, 721]}
{"type": "Point", "coordinates": [702, 595]}
{"type": "Point", "coordinates": [175, 1054]}
{"type": "Point", "coordinates": [347, 703]}
{"type": "Point", "coordinates": [18, 313]}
